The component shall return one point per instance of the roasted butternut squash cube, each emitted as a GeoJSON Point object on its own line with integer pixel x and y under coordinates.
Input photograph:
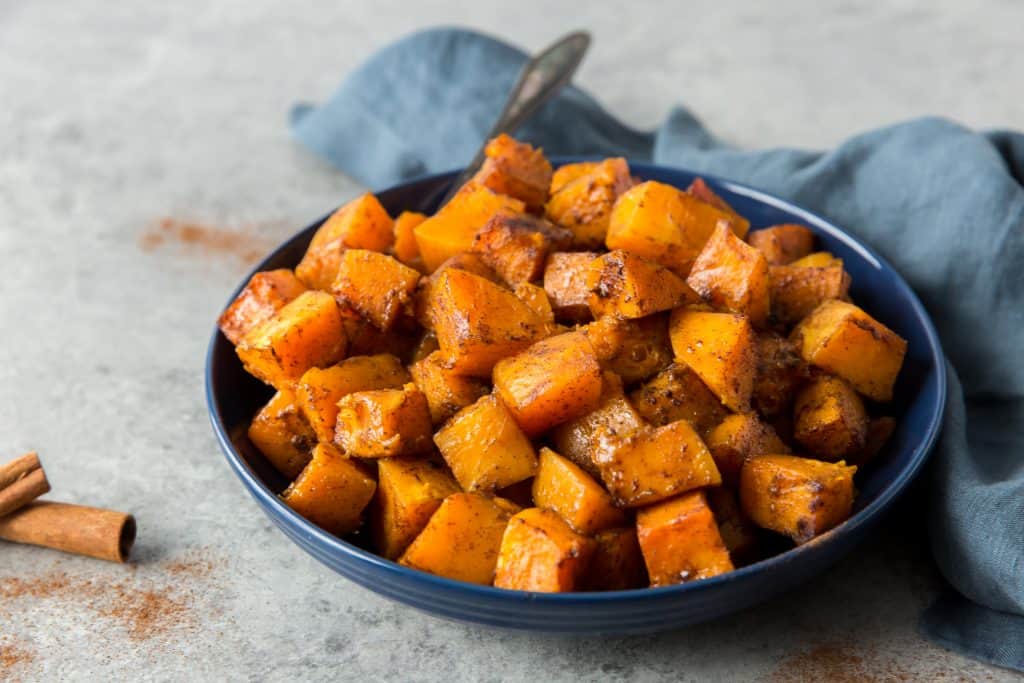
{"type": "Point", "coordinates": [516, 169]}
{"type": "Point", "coordinates": [376, 285]}
{"type": "Point", "coordinates": [384, 422]}
{"type": "Point", "coordinates": [331, 492]}
{"type": "Point", "coordinates": [478, 323]}
{"type": "Point", "coordinates": [796, 497]}
{"type": "Point", "coordinates": [699, 189]}
{"type": "Point", "coordinates": [540, 552]}
{"type": "Point", "coordinates": [721, 349]}
{"type": "Point", "coordinates": [796, 290]}
{"type": "Point", "coordinates": [405, 248]}
{"type": "Point", "coordinates": [782, 244]}
{"type": "Point", "coordinates": [732, 276]}
{"type": "Point", "coordinates": [880, 430]}
{"type": "Point", "coordinates": [462, 539]}
{"type": "Point", "coordinates": [629, 286]}
{"type": "Point", "coordinates": [680, 541]}
{"type": "Point", "coordinates": [565, 283]}
{"type": "Point", "coordinates": [516, 245]}
{"type": "Point", "coordinates": [663, 224]}
{"type": "Point", "coordinates": [264, 295]}
{"type": "Point", "coordinates": [452, 228]}
{"type": "Point", "coordinates": [780, 370]}
{"type": "Point", "coordinates": [319, 390]}
{"type": "Point", "coordinates": [817, 259]}
{"type": "Point", "coordinates": [652, 464]}
{"type": "Point", "coordinates": [426, 345]}
{"type": "Point", "coordinates": [466, 261]}
{"type": "Point", "coordinates": [677, 393]}
{"type": "Point", "coordinates": [537, 299]}
{"type": "Point", "coordinates": [363, 223]}
{"type": "Point", "coordinates": [617, 563]}
{"type": "Point", "coordinates": [841, 338]}
{"type": "Point", "coordinates": [282, 435]}
{"type": "Point", "coordinates": [830, 420]}
{"type": "Point", "coordinates": [632, 349]}
{"type": "Point", "coordinates": [737, 438]}
{"type": "Point", "coordinates": [485, 448]}
{"type": "Point", "coordinates": [409, 491]}
{"type": "Point", "coordinates": [578, 439]}
{"type": "Point", "coordinates": [565, 488]}
{"type": "Point", "coordinates": [447, 392]}
{"type": "Point", "coordinates": [305, 333]}
{"type": "Point", "coordinates": [582, 197]}
{"type": "Point", "coordinates": [738, 533]}
{"type": "Point", "coordinates": [555, 380]}
{"type": "Point", "coordinates": [366, 339]}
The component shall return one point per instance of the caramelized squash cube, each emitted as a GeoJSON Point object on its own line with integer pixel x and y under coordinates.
{"type": "Point", "coordinates": [516, 169]}
{"type": "Point", "coordinates": [629, 286]}
{"type": "Point", "coordinates": [782, 244]}
{"type": "Point", "coordinates": [282, 435]}
{"type": "Point", "coordinates": [366, 339]}
{"type": "Point", "coordinates": [817, 259]}
{"type": "Point", "coordinates": [738, 533]}
{"type": "Point", "coordinates": [565, 283]}
{"type": "Point", "coordinates": [721, 349]}
{"type": "Point", "coordinates": [677, 393]}
{"type": "Point", "coordinates": [363, 223]}
{"type": "Point", "coordinates": [409, 491]}
{"type": "Point", "coordinates": [880, 430]}
{"type": "Point", "coordinates": [652, 464]}
{"type": "Point", "coordinates": [376, 285]}
{"type": "Point", "coordinates": [632, 349]}
{"type": "Point", "coordinates": [447, 392]}
{"type": "Point", "coordinates": [332, 491]}
{"type": "Point", "coordinates": [780, 370]}
{"type": "Point", "coordinates": [582, 198]}
{"type": "Point", "coordinates": [617, 563]}
{"type": "Point", "coordinates": [537, 299]}
{"type": "Point", "coordinates": [699, 189]}
{"type": "Point", "coordinates": [264, 295]}
{"type": "Point", "coordinates": [471, 263]}
{"type": "Point", "coordinates": [555, 380]}
{"type": "Point", "coordinates": [843, 339]}
{"type": "Point", "coordinates": [384, 422]}
{"type": "Point", "coordinates": [732, 276]}
{"type": "Point", "coordinates": [462, 539]}
{"type": "Point", "coordinates": [830, 420]}
{"type": "Point", "coordinates": [306, 332]}
{"type": "Point", "coordinates": [405, 248]}
{"type": "Point", "coordinates": [516, 245]}
{"type": "Point", "coordinates": [540, 552]}
{"type": "Point", "coordinates": [680, 541]}
{"type": "Point", "coordinates": [797, 497]}
{"type": "Point", "coordinates": [563, 487]}
{"type": "Point", "coordinates": [485, 448]}
{"type": "Point", "coordinates": [738, 438]}
{"type": "Point", "coordinates": [798, 290]}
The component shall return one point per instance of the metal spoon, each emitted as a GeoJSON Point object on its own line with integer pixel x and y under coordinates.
{"type": "Point", "coordinates": [541, 78]}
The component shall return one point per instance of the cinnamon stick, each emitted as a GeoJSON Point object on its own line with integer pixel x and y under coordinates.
{"type": "Point", "coordinates": [104, 534]}
{"type": "Point", "coordinates": [21, 481]}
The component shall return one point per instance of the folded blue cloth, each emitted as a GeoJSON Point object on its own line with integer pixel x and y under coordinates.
{"type": "Point", "coordinates": [943, 204]}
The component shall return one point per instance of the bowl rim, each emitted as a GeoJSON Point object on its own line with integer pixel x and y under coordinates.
{"type": "Point", "coordinates": [821, 545]}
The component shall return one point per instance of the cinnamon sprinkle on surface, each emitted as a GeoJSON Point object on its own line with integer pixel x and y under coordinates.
{"type": "Point", "coordinates": [13, 657]}
{"type": "Point", "coordinates": [243, 242]}
{"type": "Point", "coordinates": [849, 662]}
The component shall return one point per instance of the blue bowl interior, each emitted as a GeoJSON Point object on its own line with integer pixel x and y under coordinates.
{"type": "Point", "coordinates": [234, 397]}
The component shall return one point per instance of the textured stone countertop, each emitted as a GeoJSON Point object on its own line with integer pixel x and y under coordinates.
{"type": "Point", "coordinates": [122, 124]}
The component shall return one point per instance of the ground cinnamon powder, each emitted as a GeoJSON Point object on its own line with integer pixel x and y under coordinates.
{"type": "Point", "coordinates": [845, 662]}
{"type": "Point", "coordinates": [243, 242]}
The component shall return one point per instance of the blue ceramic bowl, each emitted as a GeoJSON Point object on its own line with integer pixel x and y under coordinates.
{"type": "Point", "coordinates": [234, 397]}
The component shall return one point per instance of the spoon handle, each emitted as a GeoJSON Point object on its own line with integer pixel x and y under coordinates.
{"type": "Point", "coordinates": [543, 76]}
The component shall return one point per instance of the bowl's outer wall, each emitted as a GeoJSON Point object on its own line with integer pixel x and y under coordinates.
{"type": "Point", "coordinates": [234, 397]}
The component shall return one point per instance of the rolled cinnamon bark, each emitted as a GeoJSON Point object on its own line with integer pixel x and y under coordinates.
{"type": "Point", "coordinates": [104, 534]}
{"type": "Point", "coordinates": [21, 481]}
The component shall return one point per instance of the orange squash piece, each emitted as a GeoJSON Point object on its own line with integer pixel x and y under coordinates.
{"type": "Point", "coordinates": [817, 259]}
{"type": "Point", "coordinates": [540, 552]}
{"type": "Point", "coordinates": [782, 244]}
{"type": "Point", "coordinates": [282, 435]}
{"type": "Point", "coordinates": [555, 380]}
{"type": "Point", "coordinates": [319, 390]}
{"type": "Point", "coordinates": [582, 198]}
{"type": "Point", "coordinates": [721, 349]}
{"type": "Point", "coordinates": [880, 430]}
{"type": "Point", "coordinates": [738, 533]}
{"type": "Point", "coordinates": [652, 464]}
{"type": "Point", "coordinates": [617, 563]}
{"type": "Point", "coordinates": [264, 295]}
{"type": "Point", "coordinates": [384, 422]}
{"type": "Point", "coordinates": [485, 448]}
{"type": "Point", "coordinates": [632, 349]}
{"type": "Point", "coordinates": [516, 169]}
{"type": "Point", "coordinates": [780, 370]}
{"type": "Point", "coordinates": [797, 497]}
{"type": "Point", "coordinates": [677, 393]}
{"type": "Point", "coordinates": [462, 539]}
{"type": "Point", "coordinates": [628, 286]}
{"type": "Point", "coordinates": [830, 420]}
{"type": "Point", "coordinates": [447, 392]}
{"type": "Point", "coordinates": [478, 323]}
{"type": "Point", "coordinates": [332, 491]}
{"type": "Point", "coordinates": [426, 345]}
{"type": "Point", "coordinates": [409, 491]}
{"type": "Point", "coordinates": [536, 298]}
{"type": "Point", "coordinates": [405, 248]}
{"type": "Point", "coordinates": [516, 245]}
{"type": "Point", "coordinates": [680, 541]}
{"type": "Point", "coordinates": [798, 290]}
{"type": "Point", "coordinates": [699, 189]}
{"type": "Point", "coordinates": [363, 223]}
{"type": "Point", "coordinates": [841, 338]}
{"type": "Point", "coordinates": [306, 332]}
{"type": "Point", "coordinates": [565, 283]}
{"type": "Point", "coordinates": [563, 487]}
{"type": "Point", "coordinates": [738, 438]}
{"type": "Point", "coordinates": [471, 263]}
{"type": "Point", "coordinates": [732, 276]}
{"type": "Point", "coordinates": [366, 339]}
{"type": "Point", "coordinates": [451, 230]}
{"type": "Point", "coordinates": [376, 285]}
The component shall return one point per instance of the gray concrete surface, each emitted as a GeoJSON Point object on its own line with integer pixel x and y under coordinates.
{"type": "Point", "coordinates": [116, 115]}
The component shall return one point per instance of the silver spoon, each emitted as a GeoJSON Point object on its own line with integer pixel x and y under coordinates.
{"type": "Point", "coordinates": [541, 78]}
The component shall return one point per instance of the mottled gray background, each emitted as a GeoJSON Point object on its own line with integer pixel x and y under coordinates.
{"type": "Point", "coordinates": [114, 116]}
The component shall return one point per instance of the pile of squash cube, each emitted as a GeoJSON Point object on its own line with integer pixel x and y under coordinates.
{"type": "Point", "coordinates": [566, 380]}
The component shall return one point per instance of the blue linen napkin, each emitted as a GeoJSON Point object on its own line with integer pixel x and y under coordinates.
{"type": "Point", "coordinates": [944, 204]}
